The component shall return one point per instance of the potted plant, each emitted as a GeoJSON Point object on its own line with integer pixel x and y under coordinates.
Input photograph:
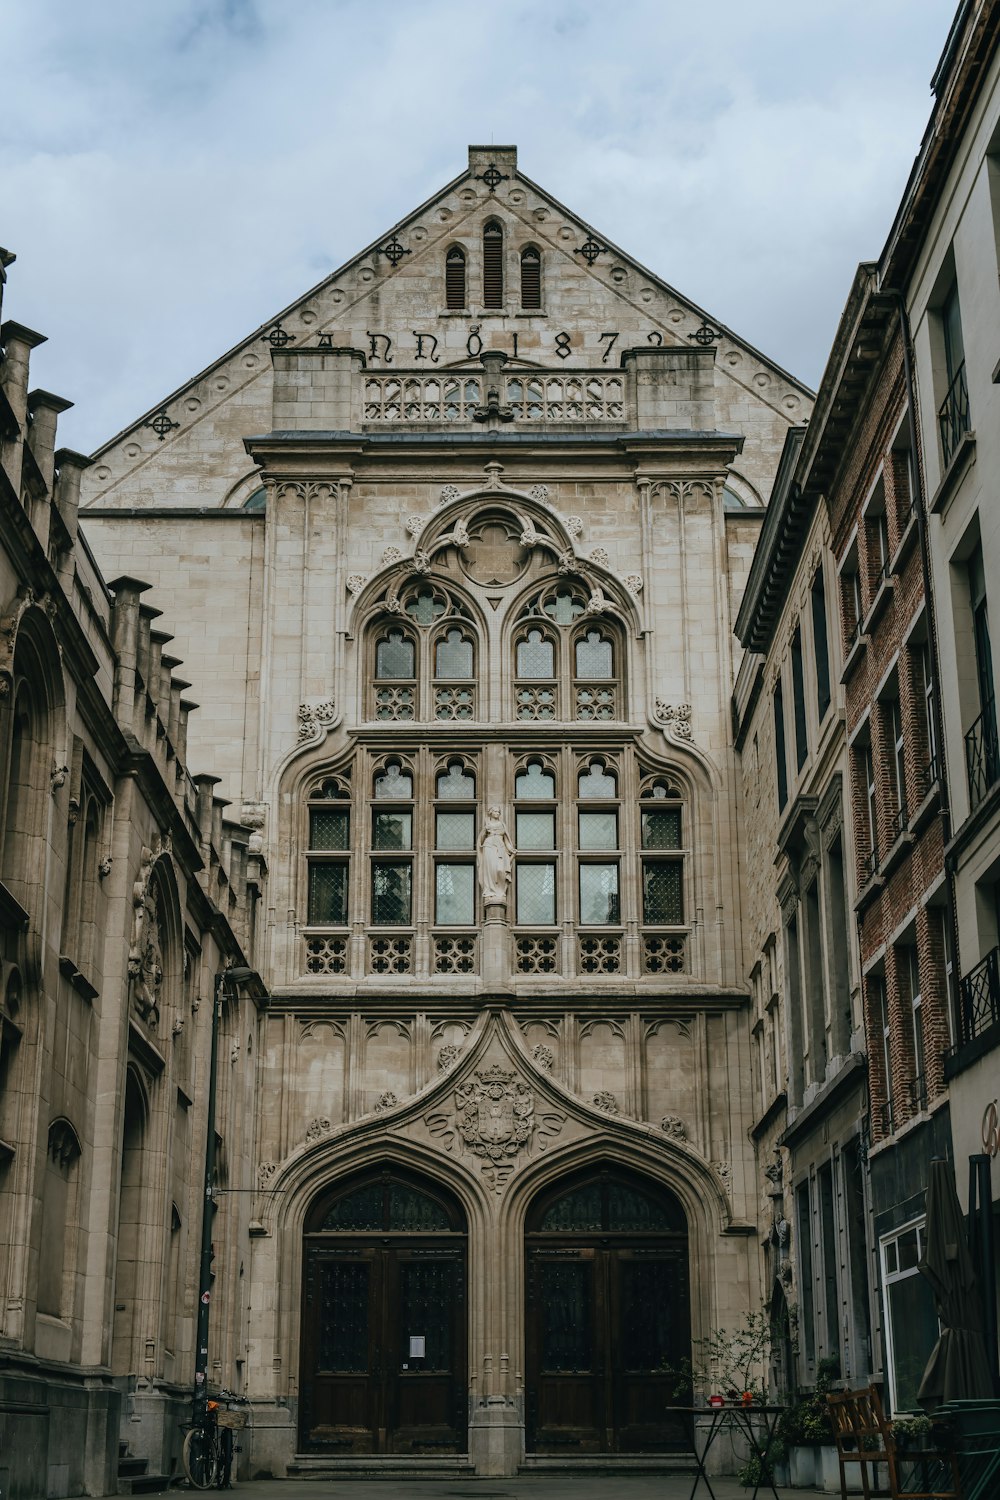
{"type": "Point", "coordinates": [911, 1433]}
{"type": "Point", "coordinates": [805, 1429]}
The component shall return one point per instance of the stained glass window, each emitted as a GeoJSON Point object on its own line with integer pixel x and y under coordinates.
{"type": "Point", "coordinates": [536, 893]}
{"type": "Point", "coordinates": [379, 1206]}
{"type": "Point", "coordinates": [391, 894]}
{"type": "Point", "coordinates": [392, 830]}
{"type": "Point", "coordinates": [662, 892]}
{"type": "Point", "coordinates": [455, 895]}
{"type": "Point", "coordinates": [598, 894]}
{"type": "Point", "coordinates": [329, 828]}
{"type": "Point", "coordinates": [535, 656]}
{"type": "Point", "coordinates": [579, 1210]}
{"type": "Point", "coordinates": [394, 656]}
{"type": "Point", "coordinates": [535, 782]}
{"type": "Point", "coordinates": [360, 1210]}
{"type": "Point", "coordinates": [394, 781]}
{"type": "Point", "coordinates": [598, 830]}
{"type": "Point", "coordinates": [453, 656]}
{"type": "Point", "coordinates": [594, 656]}
{"type": "Point", "coordinates": [456, 782]}
{"type": "Point", "coordinates": [662, 829]}
{"type": "Point", "coordinates": [328, 895]}
{"type": "Point", "coordinates": [412, 1210]}
{"type": "Point", "coordinates": [596, 781]}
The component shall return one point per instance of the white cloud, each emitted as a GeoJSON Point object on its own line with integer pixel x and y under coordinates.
{"type": "Point", "coordinates": [173, 175]}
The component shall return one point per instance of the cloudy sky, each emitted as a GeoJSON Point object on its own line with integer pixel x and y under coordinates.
{"type": "Point", "coordinates": [174, 174]}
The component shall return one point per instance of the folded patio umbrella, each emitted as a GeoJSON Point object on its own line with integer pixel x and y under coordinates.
{"type": "Point", "coordinates": [957, 1369]}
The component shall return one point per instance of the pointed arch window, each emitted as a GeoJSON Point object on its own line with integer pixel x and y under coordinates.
{"type": "Point", "coordinates": [454, 279]}
{"type": "Point", "coordinates": [595, 687]}
{"type": "Point", "coordinates": [531, 278]}
{"type": "Point", "coordinates": [492, 264]}
{"type": "Point", "coordinates": [328, 854]}
{"type": "Point", "coordinates": [535, 689]}
{"type": "Point", "coordinates": [454, 675]}
{"type": "Point", "coordinates": [395, 695]}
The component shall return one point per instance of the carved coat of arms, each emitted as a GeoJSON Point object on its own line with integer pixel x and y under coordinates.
{"type": "Point", "coordinates": [495, 1114]}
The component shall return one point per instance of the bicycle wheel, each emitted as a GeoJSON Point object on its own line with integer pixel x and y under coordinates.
{"type": "Point", "coordinates": [224, 1476]}
{"type": "Point", "coordinates": [200, 1457]}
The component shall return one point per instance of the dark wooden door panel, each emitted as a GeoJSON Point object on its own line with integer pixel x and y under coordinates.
{"type": "Point", "coordinates": [603, 1322]}
{"type": "Point", "coordinates": [566, 1354]}
{"type": "Point", "coordinates": [341, 1312]}
{"type": "Point", "coordinates": [362, 1389]}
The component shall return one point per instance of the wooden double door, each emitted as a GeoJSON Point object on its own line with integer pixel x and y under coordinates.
{"type": "Point", "coordinates": [384, 1326]}
{"type": "Point", "coordinates": [607, 1314]}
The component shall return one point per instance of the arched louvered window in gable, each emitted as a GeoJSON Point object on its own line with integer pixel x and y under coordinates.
{"type": "Point", "coordinates": [454, 278]}
{"type": "Point", "coordinates": [531, 278]}
{"type": "Point", "coordinates": [492, 264]}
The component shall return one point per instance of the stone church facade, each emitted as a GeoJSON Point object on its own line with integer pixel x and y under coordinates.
{"type": "Point", "coordinates": [452, 550]}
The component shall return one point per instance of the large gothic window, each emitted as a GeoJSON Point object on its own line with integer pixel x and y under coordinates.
{"type": "Point", "coordinates": [328, 857]}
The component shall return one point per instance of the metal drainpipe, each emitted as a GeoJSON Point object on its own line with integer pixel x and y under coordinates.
{"type": "Point", "coordinates": [932, 635]}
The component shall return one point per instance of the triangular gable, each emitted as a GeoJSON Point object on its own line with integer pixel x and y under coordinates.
{"type": "Point", "coordinates": [600, 302]}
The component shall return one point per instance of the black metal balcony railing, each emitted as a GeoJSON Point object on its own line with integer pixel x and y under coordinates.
{"type": "Point", "coordinates": [869, 865]}
{"type": "Point", "coordinates": [982, 754]}
{"type": "Point", "coordinates": [954, 417]}
{"type": "Point", "coordinates": [900, 821]}
{"type": "Point", "coordinates": [979, 998]}
{"type": "Point", "coordinates": [918, 1093]}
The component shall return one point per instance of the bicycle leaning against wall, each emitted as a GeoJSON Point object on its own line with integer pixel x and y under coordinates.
{"type": "Point", "coordinates": [209, 1445]}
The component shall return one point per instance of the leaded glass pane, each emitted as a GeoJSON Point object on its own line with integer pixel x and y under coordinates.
{"type": "Point", "coordinates": [594, 657]}
{"type": "Point", "coordinates": [391, 894]}
{"type": "Point", "coordinates": [535, 656]}
{"type": "Point", "coordinates": [597, 782]}
{"type": "Point", "coordinates": [576, 1211]}
{"type": "Point", "coordinates": [598, 830]}
{"type": "Point", "coordinates": [357, 1211]}
{"type": "Point", "coordinates": [453, 656]}
{"type": "Point", "coordinates": [456, 782]}
{"type": "Point", "coordinates": [534, 782]}
{"type": "Point", "coordinates": [329, 829]}
{"type": "Point", "coordinates": [662, 892]}
{"type": "Point", "coordinates": [394, 782]}
{"type": "Point", "coordinates": [536, 830]}
{"type": "Point", "coordinates": [536, 893]}
{"type": "Point", "coordinates": [412, 1210]}
{"type": "Point", "coordinates": [425, 607]}
{"type": "Point", "coordinates": [662, 829]}
{"type": "Point", "coordinates": [598, 895]}
{"type": "Point", "coordinates": [630, 1210]}
{"type": "Point", "coordinates": [392, 830]}
{"type": "Point", "coordinates": [394, 656]}
{"type": "Point", "coordinates": [455, 895]}
{"type": "Point", "coordinates": [327, 895]}
{"type": "Point", "coordinates": [455, 830]}
{"type": "Point", "coordinates": [564, 607]}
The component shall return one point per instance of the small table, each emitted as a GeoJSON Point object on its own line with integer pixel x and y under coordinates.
{"type": "Point", "coordinates": [734, 1415]}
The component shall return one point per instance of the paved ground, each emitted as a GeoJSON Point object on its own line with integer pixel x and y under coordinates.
{"type": "Point", "coordinates": [535, 1487]}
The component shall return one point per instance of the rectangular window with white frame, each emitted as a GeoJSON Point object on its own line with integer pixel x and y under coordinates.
{"type": "Point", "coordinates": [911, 1324]}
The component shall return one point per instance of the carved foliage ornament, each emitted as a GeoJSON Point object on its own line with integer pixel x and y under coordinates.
{"type": "Point", "coordinates": [675, 718]}
{"type": "Point", "coordinates": [674, 1128]}
{"type": "Point", "coordinates": [316, 718]}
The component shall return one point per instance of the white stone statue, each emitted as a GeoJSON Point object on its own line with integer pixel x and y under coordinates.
{"type": "Point", "coordinates": [495, 851]}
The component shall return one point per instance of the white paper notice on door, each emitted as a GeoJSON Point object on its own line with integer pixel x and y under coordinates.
{"type": "Point", "coordinates": [417, 1346]}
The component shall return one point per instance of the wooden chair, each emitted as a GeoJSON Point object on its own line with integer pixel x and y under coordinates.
{"type": "Point", "coordinates": [864, 1436]}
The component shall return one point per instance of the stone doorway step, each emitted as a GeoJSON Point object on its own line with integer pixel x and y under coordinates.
{"type": "Point", "coordinates": [609, 1463]}
{"type": "Point", "coordinates": [377, 1466]}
